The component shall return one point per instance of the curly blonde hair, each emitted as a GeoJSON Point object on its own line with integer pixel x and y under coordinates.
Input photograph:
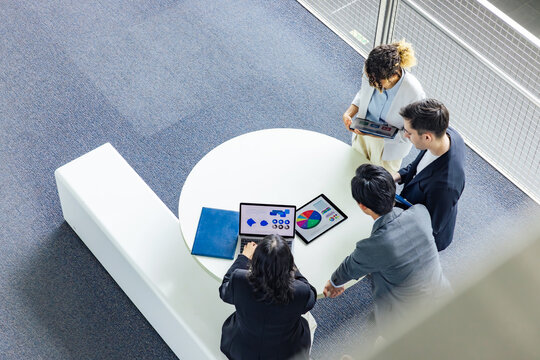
{"type": "Point", "coordinates": [406, 54]}
{"type": "Point", "coordinates": [386, 60]}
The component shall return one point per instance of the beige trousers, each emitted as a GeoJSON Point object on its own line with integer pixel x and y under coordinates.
{"type": "Point", "coordinates": [372, 149]}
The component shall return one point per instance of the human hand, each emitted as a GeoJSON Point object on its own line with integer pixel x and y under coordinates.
{"type": "Point", "coordinates": [331, 291]}
{"type": "Point", "coordinates": [347, 120]}
{"type": "Point", "coordinates": [249, 249]}
{"type": "Point", "coordinates": [397, 177]}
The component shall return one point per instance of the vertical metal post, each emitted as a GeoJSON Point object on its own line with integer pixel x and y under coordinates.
{"type": "Point", "coordinates": [385, 21]}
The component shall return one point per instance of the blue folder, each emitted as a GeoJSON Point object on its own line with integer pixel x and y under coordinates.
{"type": "Point", "coordinates": [217, 233]}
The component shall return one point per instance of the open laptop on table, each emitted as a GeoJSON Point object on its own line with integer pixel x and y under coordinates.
{"type": "Point", "coordinates": [259, 220]}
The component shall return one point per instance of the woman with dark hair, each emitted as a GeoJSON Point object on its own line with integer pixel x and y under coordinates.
{"type": "Point", "coordinates": [270, 296]}
{"type": "Point", "coordinates": [387, 86]}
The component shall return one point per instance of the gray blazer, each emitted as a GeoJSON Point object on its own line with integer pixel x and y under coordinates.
{"type": "Point", "coordinates": [403, 261]}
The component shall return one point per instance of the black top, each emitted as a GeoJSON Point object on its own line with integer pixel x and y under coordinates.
{"type": "Point", "coordinates": [438, 187]}
{"type": "Point", "coordinates": [261, 330]}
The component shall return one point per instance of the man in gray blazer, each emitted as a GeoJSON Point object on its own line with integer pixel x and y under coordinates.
{"type": "Point", "coordinates": [400, 254]}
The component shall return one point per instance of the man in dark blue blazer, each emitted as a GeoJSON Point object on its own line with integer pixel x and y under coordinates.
{"type": "Point", "coordinates": [436, 177]}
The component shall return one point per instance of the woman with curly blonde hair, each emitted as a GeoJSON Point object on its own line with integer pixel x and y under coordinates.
{"type": "Point", "coordinates": [387, 86]}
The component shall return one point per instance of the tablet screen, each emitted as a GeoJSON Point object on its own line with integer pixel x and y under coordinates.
{"type": "Point", "coordinates": [317, 217]}
{"type": "Point", "coordinates": [377, 129]}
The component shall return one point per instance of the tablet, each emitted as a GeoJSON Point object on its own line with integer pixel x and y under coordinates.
{"type": "Point", "coordinates": [317, 217]}
{"type": "Point", "coordinates": [378, 129]}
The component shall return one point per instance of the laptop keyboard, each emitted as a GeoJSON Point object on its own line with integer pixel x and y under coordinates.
{"type": "Point", "coordinates": [244, 241]}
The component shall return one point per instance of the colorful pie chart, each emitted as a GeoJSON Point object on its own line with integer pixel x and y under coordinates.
{"type": "Point", "coordinates": [308, 219]}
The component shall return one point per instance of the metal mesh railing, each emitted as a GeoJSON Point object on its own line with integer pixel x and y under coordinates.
{"type": "Point", "coordinates": [495, 118]}
{"type": "Point", "coordinates": [488, 34]}
{"type": "Point", "coordinates": [353, 20]}
{"type": "Point", "coordinates": [485, 71]}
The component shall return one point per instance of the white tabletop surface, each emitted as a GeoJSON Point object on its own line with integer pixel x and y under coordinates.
{"type": "Point", "coordinates": [279, 166]}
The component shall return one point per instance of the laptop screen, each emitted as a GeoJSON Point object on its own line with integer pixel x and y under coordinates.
{"type": "Point", "coordinates": [263, 219]}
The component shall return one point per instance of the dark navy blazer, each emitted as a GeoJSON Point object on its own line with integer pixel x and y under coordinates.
{"type": "Point", "coordinates": [262, 330]}
{"type": "Point", "coordinates": [438, 187]}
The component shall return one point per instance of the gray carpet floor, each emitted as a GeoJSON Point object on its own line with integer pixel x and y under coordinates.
{"type": "Point", "coordinates": [165, 82]}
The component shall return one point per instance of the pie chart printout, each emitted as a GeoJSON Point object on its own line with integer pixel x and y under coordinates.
{"type": "Point", "coordinates": [308, 219]}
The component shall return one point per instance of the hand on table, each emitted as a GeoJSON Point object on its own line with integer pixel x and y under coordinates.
{"type": "Point", "coordinates": [249, 249]}
{"type": "Point", "coordinates": [331, 291]}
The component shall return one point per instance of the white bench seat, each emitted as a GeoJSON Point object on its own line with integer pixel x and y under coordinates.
{"type": "Point", "coordinates": [138, 240]}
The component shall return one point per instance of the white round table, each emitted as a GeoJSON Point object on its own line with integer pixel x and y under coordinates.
{"type": "Point", "coordinates": [279, 166]}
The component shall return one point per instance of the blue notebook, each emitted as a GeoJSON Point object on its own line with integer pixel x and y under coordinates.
{"type": "Point", "coordinates": [217, 233]}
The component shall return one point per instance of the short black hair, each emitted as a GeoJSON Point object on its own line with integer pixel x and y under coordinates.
{"type": "Point", "coordinates": [374, 187]}
{"type": "Point", "coordinates": [427, 115]}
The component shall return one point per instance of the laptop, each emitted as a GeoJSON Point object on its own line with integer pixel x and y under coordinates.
{"type": "Point", "coordinates": [259, 220]}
